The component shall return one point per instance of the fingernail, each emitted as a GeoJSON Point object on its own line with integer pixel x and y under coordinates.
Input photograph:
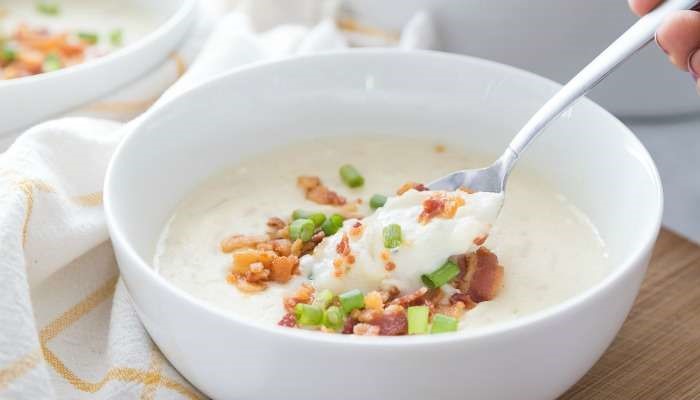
{"type": "Point", "coordinates": [694, 65]}
{"type": "Point", "coordinates": [656, 39]}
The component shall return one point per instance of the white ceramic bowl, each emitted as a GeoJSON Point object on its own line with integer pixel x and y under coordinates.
{"type": "Point", "coordinates": [38, 97]}
{"type": "Point", "coordinates": [588, 154]}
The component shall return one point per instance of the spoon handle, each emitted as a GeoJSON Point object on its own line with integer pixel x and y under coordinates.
{"type": "Point", "coordinates": [636, 37]}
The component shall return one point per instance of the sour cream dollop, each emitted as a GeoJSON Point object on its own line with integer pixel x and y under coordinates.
{"type": "Point", "coordinates": [425, 245]}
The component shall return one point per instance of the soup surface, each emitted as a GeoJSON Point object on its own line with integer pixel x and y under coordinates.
{"type": "Point", "coordinates": [550, 251]}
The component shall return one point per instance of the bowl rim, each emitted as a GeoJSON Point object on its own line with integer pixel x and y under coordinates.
{"type": "Point", "coordinates": [635, 257]}
{"type": "Point", "coordinates": [164, 28]}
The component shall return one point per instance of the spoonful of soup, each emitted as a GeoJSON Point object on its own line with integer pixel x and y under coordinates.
{"type": "Point", "coordinates": [493, 178]}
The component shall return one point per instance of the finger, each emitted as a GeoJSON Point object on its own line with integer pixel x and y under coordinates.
{"type": "Point", "coordinates": [641, 7]}
{"type": "Point", "coordinates": [679, 37]}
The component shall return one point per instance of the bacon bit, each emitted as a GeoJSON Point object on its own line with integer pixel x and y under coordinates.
{"type": "Point", "coordinates": [439, 148]}
{"type": "Point", "coordinates": [242, 259]}
{"type": "Point", "coordinates": [374, 301]}
{"type": "Point", "coordinates": [390, 266]}
{"type": "Point", "coordinates": [282, 268]}
{"type": "Point", "coordinates": [393, 323]}
{"type": "Point", "coordinates": [319, 193]}
{"type": "Point", "coordinates": [338, 269]}
{"type": "Point", "coordinates": [412, 299]}
{"type": "Point", "coordinates": [350, 259]}
{"type": "Point", "coordinates": [467, 190]}
{"type": "Point", "coordinates": [479, 240]}
{"type": "Point", "coordinates": [343, 247]}
{"type": "Point", "coordinates": [318, 237]}
{"type": "Point", "coordinates": [349, 326]}
{"type": "Point", "coordinates": [370, 316]}
{"type": "Point", "coordinates": [455, 310]}
{"type": "Point", "coordinates": [411, 185]}
{"type": "Point", "coordinates": [435, 295]}
{"type": "Point", "coordinates": [289, 320]}
{"type": "Point", "coordinates": [463, 298]}
{"type": "Point", "coordinates": [390, 293]}
{"type": "Point", "coordinates": [363, 329]}
{"type": "Point", "coordinates": [304, 294]}
{"type": "Point", "coordinates": [276, 223]}
{"type": "Point", "coordinates": [487, 278]}
{"type": "Point", "coordinates": [283, 247]}
{"type": "Point", "coordinates": [236, 242]}
{"type": "Point", "coordinates": [385, 255]}
{"type": "Point", "coordinates": [440, 205]}
{"type": "Point", "coordinates": [356, 230]}
{"type": "Point", "coordinates": [264, 246]}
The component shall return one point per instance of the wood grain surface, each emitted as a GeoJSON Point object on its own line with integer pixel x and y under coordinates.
{"type": "Point", "coordinates": [656, 355]}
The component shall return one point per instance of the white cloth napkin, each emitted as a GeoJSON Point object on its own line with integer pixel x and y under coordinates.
{"type": "Point", "coordinates": [67, 326]}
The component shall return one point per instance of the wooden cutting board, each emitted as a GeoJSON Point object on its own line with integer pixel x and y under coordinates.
{"type": "Point", "coordinates": [656, 355]}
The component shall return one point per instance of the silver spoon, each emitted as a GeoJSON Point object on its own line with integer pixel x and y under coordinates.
{"type": "Point", "coordinates": [493, 178]}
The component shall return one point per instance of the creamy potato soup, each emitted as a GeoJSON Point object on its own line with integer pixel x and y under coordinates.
{"type": "Point", "coordinates": [315, 236]}
{"type": "Point", "coordinates": [47, 35]}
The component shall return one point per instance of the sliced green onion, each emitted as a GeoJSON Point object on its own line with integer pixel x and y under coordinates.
{"type": "Point", "coordinates": [417, 319]}
{"type": "Point", "coordinates": [331, 225]}
{"type": "Point", "coordinates": [8, 54]}
{"type": "Point", "coordinates": [392, 236]}
{"type": "Point", "coordinates": [376, 201]}
{"type": "Point", "coordinates": [351, 300]}
{"type": "Point", "coordinates": [447, 272]}
{"type": "Point", "coordinates": [324, 298]}
{"type": "Point", "coordinates": [333, 318]}
{"type": "Point", "coordinates": [301, 229]}
{"type": "Point", "coordinates": [317, 217]}
{"type": "Point", "coordinates": [48, 7]}
{"type": "Point", "coordinates": [308, 315]}
{"type": "Point", "coordinates": [51, 63]}
{"type": "Point", "coordinates": [351, 176]}
{"type": "Point", "coordinates": [116, 37]}
{"type": "Point", "coordinates": [443, 323]}
{"type": "Point", "coordinates": [89, 37]}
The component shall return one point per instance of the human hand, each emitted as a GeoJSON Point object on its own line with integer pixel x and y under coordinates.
{"type": "Point", "coordinates": [678, 37]}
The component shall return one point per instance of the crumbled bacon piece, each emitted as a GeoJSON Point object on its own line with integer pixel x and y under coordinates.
{"type": "Point", "coordinates": [363, 329]}
{"type": "Point", "coordinates": [276, 223]}
{"type": "Point", "coordinates": [390, 266]}
{"type": "Point", "coordinates": [236, 242]}
{"type": "Point", "coordinates": [479, 240]}
{"type": "Point", "coordinates": [412, 299]}
{"type": "Point", "coordinates": [390, 293]}
{"type": "Point", "coordinates": [283, 247]}
{"type": "Point", "coordinates": [370, 316]}
{"type": "Point", "coordinates": [304, 294]}
{"type": "Point", "coordinates": [317, 192]}
{"type": "Point", "coordinates": [411, 185]}
{"type": "Point", "coordinates": [455, 310]}
{"type": "Point", "coordinates": [440, 205]}
{"type": "Point", "coordinates": [289, 320]}
{"type": "Point", "coordinates": [487, 279]}
{"type": "Point", "coordinates": [248, 287]}
{"type": "Point", "coordinates": [349, 326]}
{"type": "Point", "coordinates": [343, 247]}
{"type": "Point", "coordinates": [356, 230]}
{"type": "Point", "coordinates": [463, 298]}
{"type": "Point", "coordinates": [393, 323]}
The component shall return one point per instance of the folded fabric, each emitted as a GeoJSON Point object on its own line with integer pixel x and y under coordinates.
{"type": "Point", "coordinates": [67, 326]}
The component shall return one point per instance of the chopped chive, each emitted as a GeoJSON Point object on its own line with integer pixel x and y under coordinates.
{"type": "Point", "coordinates": [333, 318]}
{"type": "Point", "coordinates": [116, 37]}
{"type": "Point", "coordinates": [443, 323]}
{"type": "Point", "coordinates": [392, 236]}
{"type": "Point", "coordinates": [331, 225]}
{"type": "Point", "coordinates": [324, 298]}
{"type": "Point", "coordinates": [308, 315]}
{"type": "Point", "coordinates": [51, 63]}
{"type": "Point", "coordinates": [351, 300]}
{"type": "Point", "coordinates": [417, 319]}
{"type": "Point", "coordinates": [48, 7]}
{"type": "Point", "coordinates": [8, 54]}
{"type": "Point", "coordinates": [301, 229]}
{"type": "Point", "coordinates": [376, 201]}
{"type": "Point", "coordinates": [447, 272]}
{"type": "Point", "coordinates": [89, 37]}
{"type": "Point", "coordinates": [316, 217]}
{"type": "Point", "coordinates": [351, 176]}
